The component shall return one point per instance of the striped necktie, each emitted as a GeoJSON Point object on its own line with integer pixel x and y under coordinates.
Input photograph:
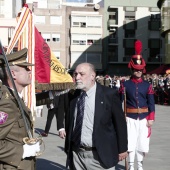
{"type": "Point", "coordinates": [76, 136]}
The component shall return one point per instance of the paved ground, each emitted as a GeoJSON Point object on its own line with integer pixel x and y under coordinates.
{"type": "Point", "coordinates": [54, 158]}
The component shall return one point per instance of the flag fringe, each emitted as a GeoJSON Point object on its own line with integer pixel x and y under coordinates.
{"type": "Point", "coordinates": [55, 86]}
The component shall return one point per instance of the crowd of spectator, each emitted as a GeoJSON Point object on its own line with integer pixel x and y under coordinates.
{"type": "Point", "coordinates": [160, 83]}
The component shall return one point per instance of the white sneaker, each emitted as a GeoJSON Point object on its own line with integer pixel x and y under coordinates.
{"type": "Point", "coordinates": [131, 167]}
{"type": "Point", "coordinates": [140, 164]}
{"type": "Point", "coordinates": [140, 168]}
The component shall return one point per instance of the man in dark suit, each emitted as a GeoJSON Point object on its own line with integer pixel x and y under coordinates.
{"type": "Point", "coordinates": [103, 131]}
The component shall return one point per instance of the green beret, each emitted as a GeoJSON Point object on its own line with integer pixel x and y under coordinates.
{"type": "Point", "coordinates": [17, 58]}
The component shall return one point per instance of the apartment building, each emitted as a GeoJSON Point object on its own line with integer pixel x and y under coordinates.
{"type": "Point", "coordinates": [50, 22]}
{"type": "Point", "coordinates": [73, 32]}
{"type": "Point", "coordinates": [85, 35]}
{"type": "Point", "coordinates": [164, 6]}
{"type": "Point", "coordinates": [125, 22]}
{"type": "Point", "coordinates": [102, 32]}
{"type": "Point", "coordinates": [8, 12]}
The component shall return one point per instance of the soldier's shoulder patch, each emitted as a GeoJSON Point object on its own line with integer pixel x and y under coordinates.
{"type": "Point", "coordinates": [3, 117]}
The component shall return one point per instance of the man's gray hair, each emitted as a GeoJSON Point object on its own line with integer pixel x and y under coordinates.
{"type": "Point", "coordinates": [92, 67]}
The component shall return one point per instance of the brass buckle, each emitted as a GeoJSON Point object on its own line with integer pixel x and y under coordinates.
{"type": "Point", "coordinates": [139, 110]}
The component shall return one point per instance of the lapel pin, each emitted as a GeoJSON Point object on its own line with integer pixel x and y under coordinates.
{"type": "Point", "coordinates": [101, 102]}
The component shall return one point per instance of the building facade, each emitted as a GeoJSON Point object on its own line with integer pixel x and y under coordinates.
{"type": "Point", "coordinates": [8, 12]}
{"type": "Point", "coordinates": [102, 32]}
{"type": "Point", "coordinates": [73, 32]}
{"type": "Point", "coordinates": [164, 6]}
{"type": "Point", "coordinates": [125, 22]}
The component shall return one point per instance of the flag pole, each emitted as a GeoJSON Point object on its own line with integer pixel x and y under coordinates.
{"type": "Point", "coordinates": [126, 163]}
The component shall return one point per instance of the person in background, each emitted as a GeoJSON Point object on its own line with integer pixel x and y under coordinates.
{"type": "Point", "coordinates": [140, 109]}
{"type": "Point", "coordinates": [96, 131]}
{"type": "Point", "coordinates": [14, 153]}
{"type": "Point", "coordinates": [167, 86]}
{"type": "Point", "coordinates": [56, 107]}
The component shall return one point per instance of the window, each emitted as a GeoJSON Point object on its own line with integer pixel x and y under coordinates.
{"type": "Point", "coordinates": [129, 33]}
{"type": "Point", "coordinates": [155, 17]}
{"type": "Point", "coordinates": [77, 21]}
{"type": "Point", "coordinates": [46, 37]}
{"type": "Point", "coordinates": [78, 39]}
{"type": "Point", "coordinates": [40, 19]}
{"type": "Point", "coordinates": [56, 37]}
{"type": "Point", "coordinates": [154, 43]}
{"type": "Point", "coordinates": [112, 38]}
{"type": "Point", "coordinates": [86, 21]}
{"type": "Point", "coordinates": [94, 39]}
{"type": "Point", "coordinates": [94, 21]}
{"type": "Point", "coordinates": [154, 55]}
{"type": "Point", "coordinates": [129, 43]}
{"type": "Point", "coordinates": [154, 25]}
{"type": "Point", "coordinates": [76, 24]}
{"type": "Point", "coordinates": [112, 34]}
{"type": "Point", "coordinates": [77, 57]}
{"type": "Point", "coordinates": [56, 20]}
{"type": "Point", "coordinates": [130, 25]}
{"type": "Point", "coordinates": [93, 57]}
{"type": "Point", "coordinates": [129, 15]}
{"type": "Point", "coordinates": [129, 52]}
{"type": "Point", "coordinates": [112, 54]}
{"type": "Point", "coordinates": [35, 4]}
{"type": "Point", "coordinates": [82, 39]}
{"type": "Point", "coordinates": [57, 54]}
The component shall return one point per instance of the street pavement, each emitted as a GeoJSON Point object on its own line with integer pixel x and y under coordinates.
{"type": "Point", "coordinates": [158, 158]}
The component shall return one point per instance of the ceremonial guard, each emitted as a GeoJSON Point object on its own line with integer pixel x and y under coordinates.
{"type": "Point", "coordinates": [138, 96]}
{"type": "Point", "coordinates": [155, 87]}
{"type": "Point", "coordinates": [14, 153]}
{"type": "Point", "coordinates": [161, 90]}
{"type": "Point", "coordinates": [107, 80]}
{"type": "Point", "coordinates": [167, 85]}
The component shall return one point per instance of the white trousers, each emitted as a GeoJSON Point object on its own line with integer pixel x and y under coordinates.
{"type": "Point", "coordinates": [138, 139]}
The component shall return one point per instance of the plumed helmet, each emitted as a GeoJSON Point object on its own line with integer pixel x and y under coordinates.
{"type": "Point", "coordinates": [137, 62]}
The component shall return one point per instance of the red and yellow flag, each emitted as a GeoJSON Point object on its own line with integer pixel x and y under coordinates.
{"type": "Point", "coordinates": [50, 73]}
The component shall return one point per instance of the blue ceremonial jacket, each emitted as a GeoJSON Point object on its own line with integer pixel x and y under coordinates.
{"type": "Point", "coordinates": [139, 94]}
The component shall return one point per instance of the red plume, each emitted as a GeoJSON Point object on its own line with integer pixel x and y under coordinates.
{"type": "Point", "coordinates": [138, 47]}
{"type": "Point", "coordinates": [25, 5]}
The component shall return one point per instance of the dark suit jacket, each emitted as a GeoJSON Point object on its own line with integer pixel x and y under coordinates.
{"type": "Point", "coordinates": [61, 106]}
{"type": "Point", "coordinates": [109, 132]}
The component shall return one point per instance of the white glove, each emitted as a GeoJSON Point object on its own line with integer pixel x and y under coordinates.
{"type": "Point", "coordinates": [30, 150]}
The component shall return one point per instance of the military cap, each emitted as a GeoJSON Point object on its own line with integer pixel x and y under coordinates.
{"type": "Point", "coordinates": [17, 58]}
{"type": "Point", "coordinates": [137, 62]}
